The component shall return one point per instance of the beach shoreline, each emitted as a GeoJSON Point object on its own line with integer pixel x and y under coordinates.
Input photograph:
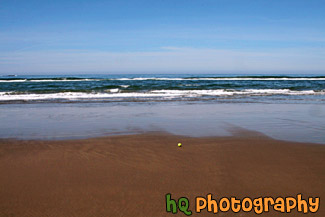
{"type": "Point", "coordinates": [130, 175]}
{"type": "Point", "coordinates": [293, 122]}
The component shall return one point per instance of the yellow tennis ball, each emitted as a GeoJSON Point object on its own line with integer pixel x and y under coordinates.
{"type": "Point", "coordinates": [179, 144]}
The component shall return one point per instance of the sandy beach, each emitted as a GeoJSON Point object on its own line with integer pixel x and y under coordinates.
{"type": "Point", "coordinates": [130, 175]}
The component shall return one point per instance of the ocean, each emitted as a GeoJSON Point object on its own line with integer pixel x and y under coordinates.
{"type": "Point", "coordinates": [165, 87]}
{"type": "Point", "coordinates": [286, 107]}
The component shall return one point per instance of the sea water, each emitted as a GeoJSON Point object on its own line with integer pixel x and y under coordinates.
{"type": "Point", "coordinates": [112, 88]}
{"type": "Point", "coordinates": [64, 107]}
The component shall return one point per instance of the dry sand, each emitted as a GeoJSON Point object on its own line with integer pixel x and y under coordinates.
{"type": "Point", "coordinates": [130, 175]}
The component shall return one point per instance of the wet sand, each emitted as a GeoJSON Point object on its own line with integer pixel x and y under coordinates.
{"type": "Point", "coordinates": [130, 175]}
{"type": "Point", "coordinates": [52, 121]}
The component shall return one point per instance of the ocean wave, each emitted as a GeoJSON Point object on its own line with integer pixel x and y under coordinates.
{"type": "Point", "coordinates": [164, 94]}
{"type": "Point", "coordinates": [230, 92]}
{"type": "Point", "coordinates": [14, 80]}
{"type": "Point", "coordinates": [62, 80]}
{"type": "Point", "coordinates": [113, 90]}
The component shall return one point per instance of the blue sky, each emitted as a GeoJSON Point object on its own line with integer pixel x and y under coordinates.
{"type": "Point", "coordinates": [169, 36]}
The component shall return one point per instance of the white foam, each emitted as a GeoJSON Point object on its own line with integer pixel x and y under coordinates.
{"type": "Point", "coordinates": [9, 96]}
{"type": "Point", "coordinates": [63, 80]}
{"type": "Point", "coordinates": [20, 80]}
{"type": "Point", "coordinates": [114, 90]}
{"type": "Point", "coordinates": [115, 93]}
{"type": "Point", "coordinates": [223, 92]}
